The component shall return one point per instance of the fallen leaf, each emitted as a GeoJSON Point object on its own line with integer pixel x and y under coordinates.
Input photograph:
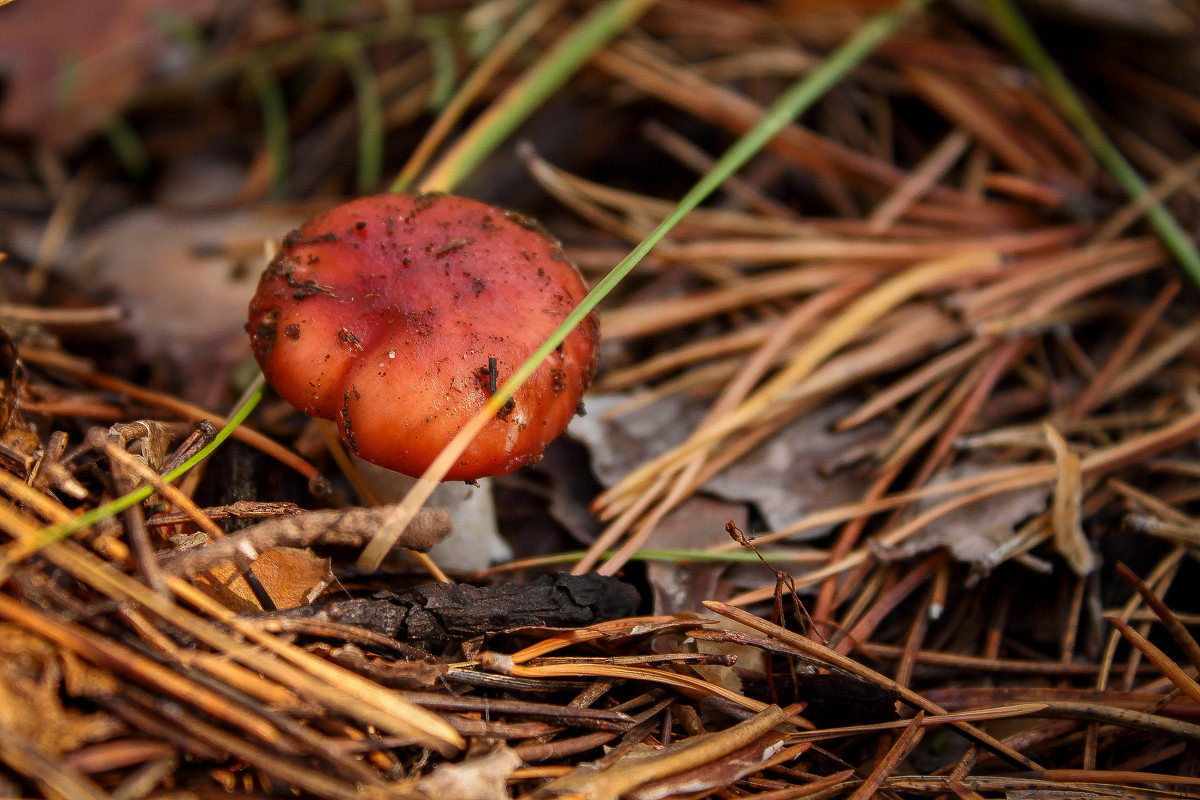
{"type": "Point", "coordinates": [973, 533]}
{"type": "Point", "coordinates": [697, 524]}
{"type": "Point", "coordinates": [31, 686]}
{"type": "Point", "coordinates": [292, 578]}
{"type": "Point", "coordinates": [643, 767]}
{"type": "Point", "coordinates": [71, 66]}
{"type": "Point", "coordinates": [784, 477]}
{"type": "Point", "coordinates": [184, 280]}
{"type": "Point", "coordinates": [718, 773]}
{"type": "Point", "coordinates": [481, 778]}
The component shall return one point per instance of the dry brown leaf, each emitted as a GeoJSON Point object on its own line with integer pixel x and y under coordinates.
{"type": "Point", "coordinates": [718, 773]}
{"type": "Point", "coordinates": [71, 66]}
{"type": "Point", "coordinates": [292, 578]}
{"type": "Point", "coordinates": [31, 707]}
{"type": "Point", "coordinates": [697, 524]}
{"type": "Point", "coordinates": [784, 477]}
{"type": "Point", "coordinates": [184, 279]}
{"type": "Point", "coordinates": [644, 767]}
{"type": "Point", "coordinates": [482, 778]}
{"type": "Point", "coordinates": [973, 533]}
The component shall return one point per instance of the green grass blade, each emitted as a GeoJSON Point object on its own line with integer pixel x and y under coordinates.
{"type": "Point", "coordinates": [1008, 20]}
{"type": "Point", "coordinates": [126, 143]}
{"type": "Point", "coordinates": [273, 107]}
{"type": "Point", "coordinates": [529, 91]}
{"type": "Point", "coordinates": [183, 31]}
{"type": "Point", "coordinates": [442, 60]}
{"type": "Point", "coordinates": [487, 69]}
{"type": "Point", "coordinates": [370, 110]}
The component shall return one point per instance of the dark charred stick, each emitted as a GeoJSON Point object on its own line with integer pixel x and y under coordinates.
{"type": "Point", "coordinates": [438, 611]}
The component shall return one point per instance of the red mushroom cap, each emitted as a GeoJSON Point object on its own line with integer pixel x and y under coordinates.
{"type": "Point", "coordinates": [385, 314]}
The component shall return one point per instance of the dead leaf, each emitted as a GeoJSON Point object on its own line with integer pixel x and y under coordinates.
{"type": "Point", "coordinates": [184, 280]}
{"type": "Point", "coordinates": [784, 477]}
{"type": "Point", "coordinates": [481, 778]}
{"type": "Point", "coordinates": [717, 773]}
{"type": "Point", "coordinates": [973, 533]}
{"type": "Point", "coordinates": [71, 66]}
{"type": "Point", "coordinates": [31, 685]}
{"type": "Point", "coordinates": [292, 578]}
{"type": "Point", "coordinates": [644, 767]}
{"type": "Point", "coordinates": [697, 524]}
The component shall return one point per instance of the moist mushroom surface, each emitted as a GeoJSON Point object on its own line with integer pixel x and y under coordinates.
{"type": "Point", "coordinates": [398, 315]}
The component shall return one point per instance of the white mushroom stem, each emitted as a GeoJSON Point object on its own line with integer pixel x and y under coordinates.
{"type": "Point", "coordinates": [475, 541]}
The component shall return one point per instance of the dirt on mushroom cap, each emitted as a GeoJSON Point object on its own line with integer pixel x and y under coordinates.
{"type": "Point", "coordinates": [385, 314]}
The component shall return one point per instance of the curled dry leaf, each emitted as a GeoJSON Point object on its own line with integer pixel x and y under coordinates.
{"type": "Point", "coordinates": [715, 774]}
{"type": "Point", "coordinates": [974, 532]}
{"type": "Point", "coordinates": [18, 442]}
{"type": "Point", "coordinates": [627, 774]}
{"type": "Point", "coordinates": [481, 778]}
{"type": "Point", "coordinates": [184, 279]}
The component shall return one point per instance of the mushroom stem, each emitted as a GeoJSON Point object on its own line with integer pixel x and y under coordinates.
{"type": "Point", "coordinates": [474, 542]}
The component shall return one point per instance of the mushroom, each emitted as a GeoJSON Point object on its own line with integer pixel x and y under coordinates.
{"type": "Point", "coordinates": [397, 315]}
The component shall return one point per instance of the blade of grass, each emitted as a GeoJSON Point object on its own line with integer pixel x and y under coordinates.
{"type": "Point", "coordinates": [512, 40]}
{"type": "Point", "coordinates": [183, 31]}
{"type": "Point", "coordinates": [350, 52]}
{"type": "Point", "coordinates": [442, 60]}
{"type": "Point", "coordinates": [1009, 21]}
{"type": "Point", "coordinates": [800, 96]}
{"type": "Point", "coordinates": [530, 91]}
{"type": "Point", "coordinates": [273, 107]}
{"type": "Point", "coordinates": [53, 533]}
{"type": "Point", "coordinates": [127, 145]}
{"type": "Point", "coordinates": [671, 556]}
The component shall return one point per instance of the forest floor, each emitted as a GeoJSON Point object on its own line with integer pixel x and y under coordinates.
{"type": "Point", "coordinates": [887, 483]}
